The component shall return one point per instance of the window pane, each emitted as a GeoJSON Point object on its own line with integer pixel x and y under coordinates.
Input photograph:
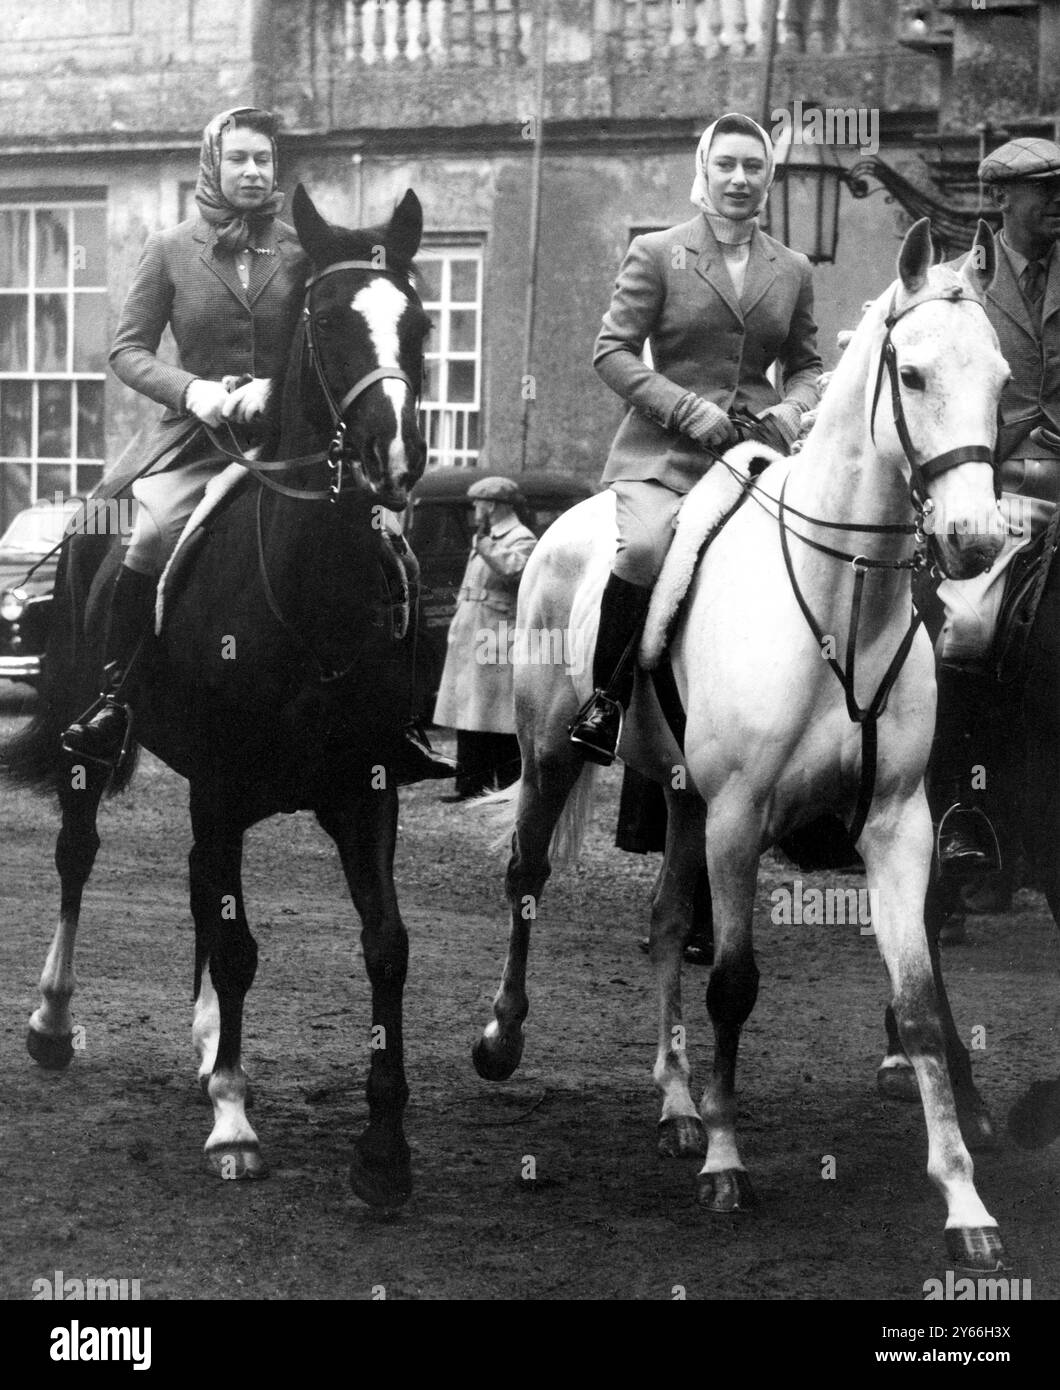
{"type": "Point", "coordinates": [90, 333]}
{"type": "Point", "coordinates": [87, 476]}
{"type": "Point", "coordinates": [16, 407]}
{"type": "Point", "coordinates": [462, 330]}
{"type": "Point", "coordinates": [462, 381]}
{"type": "Point", "coordinates": [53, 246]}
{"type": "Point", "coordinates": [430, 285]}
{"type": "Point", "coordinates": [14, 314]}
{"type": "Point", "coordinates": [430, 381]}
{"type": "Point", "coordinates": [464, 283]}
{"type": "Point", "coordinates": [14, 491]}
{"type": "Point", "coordinates": [53, 478]}
{"type": "Point", "coordinates": [90, 419]}
{"type": "Point", "coordinates": [14, 247]}
{"type": "Point", "coordinates": [90, 246]}
{"type": "Point", "coordinates": [472, 429]}
{"type": "Point", "coordinates": [53, 420]}
{"type": "Point", "coordinates": [50, 328]}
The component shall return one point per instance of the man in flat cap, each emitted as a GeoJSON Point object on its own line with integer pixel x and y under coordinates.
{"type": "Point", "coordinates": [1023, 304]}
{"type": "Point", "coordinates": [476, 692]}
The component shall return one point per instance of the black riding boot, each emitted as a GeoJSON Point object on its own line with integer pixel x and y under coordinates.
{"type": "Point", "coordinates": [417, 761]}
{"type": "Point", "coordinates": [101, 737]}
{"type": "Point", "coordinates": [597, 726]}
{"type": "Point", "coordinates": [965, 836]}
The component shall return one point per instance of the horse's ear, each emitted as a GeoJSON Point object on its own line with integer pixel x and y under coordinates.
{"type": "Point", "coordinates": [916, 256]}
{"type": "Point", "coordinates": [405, 229]}
{"type": "Point", "coordinates": [318, 241]}
{"type": "Point", "coordinates": [980, 265]}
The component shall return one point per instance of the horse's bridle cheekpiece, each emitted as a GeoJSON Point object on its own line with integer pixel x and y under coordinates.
{"type": "Point", "coordinates": [921, 474]}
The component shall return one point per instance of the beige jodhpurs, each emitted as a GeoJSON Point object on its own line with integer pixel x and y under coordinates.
{"type": "Point", "coordinates": [645, 512]}
{"type": "Point", "coordinates": [166, 501]}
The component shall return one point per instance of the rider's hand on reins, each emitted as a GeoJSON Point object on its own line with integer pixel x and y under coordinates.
{"type": "Point", "coordinates": [248, 401]}
{"type": "Point", "coordinates": [703, 421]}
{"type": "Point", "coordinates": [206, 401]}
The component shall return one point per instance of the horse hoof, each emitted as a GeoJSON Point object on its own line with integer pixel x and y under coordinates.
{"type": "Point", "coordinates": [1034, 1120]}
{"type": "Point", "coordinates": [681, 1136]}
{"type": "Point", "coordinates": [204, 1087]}
{"type": "Point", "coordinates": [496, 1058]}
{"type": "Point", "coordinates": [898, 1083]}
{"type": "Point", "coordinates": [231, 1161]}
{"type": "Point", "coordinates": [727, 1190]}
{"type": "Point", "coordinates": [978, 1130]}
{"type": "Point", "coordinates": [977, 1248]}
{"type": "Point", "coordinates": [384, 1187]}
{"type": "Point", "coordinates": [51, 1053]}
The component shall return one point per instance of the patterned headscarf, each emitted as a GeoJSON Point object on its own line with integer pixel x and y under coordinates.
{"type": "Point", "coordinates": [234, 225]}
{"type": "Point", "coordinates": [700, 194]}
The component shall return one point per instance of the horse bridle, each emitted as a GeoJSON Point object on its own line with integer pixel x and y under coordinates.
{"type": "Point", "coordinates": [921, 474]}
{"type": "Point", "coordinates": [337, 455]}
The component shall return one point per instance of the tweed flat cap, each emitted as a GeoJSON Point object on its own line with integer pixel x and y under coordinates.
{"type": "Point", "coordinates": [1027, 158]}
{"type": "Point", "coordinates": [495, 490]}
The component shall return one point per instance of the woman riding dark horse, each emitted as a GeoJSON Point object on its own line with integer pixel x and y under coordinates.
{"type": "Point", "coordinates": [278, 679]}
{"type": "Point", "coordinates": [226, 282]}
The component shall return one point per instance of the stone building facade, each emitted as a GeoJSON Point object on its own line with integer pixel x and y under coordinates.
{"type": "Point", "coordinates": [101, 105]}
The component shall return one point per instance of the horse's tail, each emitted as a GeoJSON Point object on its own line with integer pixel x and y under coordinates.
{"type": "Point", "coordinates": [569, 833]}
{"type": "Point", "coordinates": [33, 757]}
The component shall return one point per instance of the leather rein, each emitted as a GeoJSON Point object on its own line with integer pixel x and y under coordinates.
{"type": "Point", "coordinates": [921, 475]}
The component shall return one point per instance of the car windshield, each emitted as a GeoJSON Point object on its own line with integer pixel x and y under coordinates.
{"type": "Point", "coordinates": [35, 531]}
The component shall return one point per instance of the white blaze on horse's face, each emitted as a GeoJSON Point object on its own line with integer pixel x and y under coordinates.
{"type": "Point", "coordinates": [381, 305]}
{"type": "Point", "coordinates": [950, 385]}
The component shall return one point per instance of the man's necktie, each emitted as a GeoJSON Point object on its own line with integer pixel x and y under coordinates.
{"type": "Point", "coordinates": [1032, 283]}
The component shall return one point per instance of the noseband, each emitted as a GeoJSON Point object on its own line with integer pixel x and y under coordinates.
{"type": "Point", "coordinates": [921, 474]}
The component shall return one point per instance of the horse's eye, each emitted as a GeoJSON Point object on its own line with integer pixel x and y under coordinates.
{"type": "Point", "coordinates": [326, 322]}
{"type": "Point", "coordinates": [912, 378]}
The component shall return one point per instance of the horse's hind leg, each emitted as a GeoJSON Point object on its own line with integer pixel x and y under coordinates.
{"type": "Point", "coordinates": [50, 1037]}
{"type": "Point", "coordinates": [365, 833]}
{"type": "Point", "coordinates": [680, 1128]}
{"type": "Point", "coordinates": [546, 784]}
{"type": "Point", "coordinates": [896, 847]}
{"type": "Point", "coordinates": [224, 946]}
{"type": "Point", "coordinates": [732, 861]}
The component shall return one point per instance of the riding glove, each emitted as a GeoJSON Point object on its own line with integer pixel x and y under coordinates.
{"type": "Point", "coordinates": [702, 421]}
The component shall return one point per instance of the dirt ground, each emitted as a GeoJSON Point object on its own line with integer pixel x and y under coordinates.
{"type": "Point", "coordinates": [100, 1167]}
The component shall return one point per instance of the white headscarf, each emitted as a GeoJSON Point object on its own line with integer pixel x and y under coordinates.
{"type": "Point", "coordinates": [728, 229]}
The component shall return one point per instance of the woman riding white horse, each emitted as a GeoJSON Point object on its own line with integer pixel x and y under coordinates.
{"type": "Point", "coordinates": [720, 302]}
{"type": "Point", "coordinates": [775, 611]}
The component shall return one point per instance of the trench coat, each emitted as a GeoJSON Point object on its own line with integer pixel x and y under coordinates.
{"type": "Point", "coordinates": [476, 691]}
{"type": "Point", "coordinates": [219, 328]}
{"type": "Point", "coordinates": [674, 290]}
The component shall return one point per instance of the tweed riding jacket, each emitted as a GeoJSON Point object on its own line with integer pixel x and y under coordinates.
{"type": "Point", "coordinates": [674, 291]}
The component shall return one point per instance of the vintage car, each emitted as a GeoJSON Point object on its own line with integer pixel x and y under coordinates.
{"type": "Point", "coordinates": [25, 600]}
{"type": "Point", "coordinates": [439, 527]}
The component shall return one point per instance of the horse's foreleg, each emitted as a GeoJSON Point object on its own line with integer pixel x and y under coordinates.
{"type": "Point", "coordinates": [680, 1128]}
{"type": "Point", "coordinates": [546, 784]}
{"type": "Point", "coordinates": [732, 861]}
{"type": "Point", "coordinates": [224, 946]}
{"type": "Point", "coordinates": [50, 1037]}
{"type": "Point", "coordinates": [365, 834]}
{"type": "Point", "coordinates": [896, 847]}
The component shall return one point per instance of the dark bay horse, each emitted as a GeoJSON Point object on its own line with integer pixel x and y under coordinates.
{"type": "Point", "coordinates": [1020, 748]}
{"type": "Point", "coordinates": [278, 682]}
